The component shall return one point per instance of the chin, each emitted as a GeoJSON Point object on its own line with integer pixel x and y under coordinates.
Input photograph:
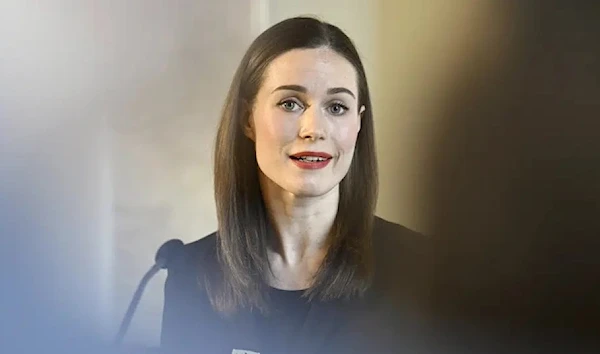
{"type": "Point", "coordinates": [308, 193]}
{"type": "Point", "coordinates": [310, 190]}
{"type": "Point", "coordinates": [299, 186]}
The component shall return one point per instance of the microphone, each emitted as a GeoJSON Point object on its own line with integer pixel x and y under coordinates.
{"type": "Point", "coordinates": [165, 255]}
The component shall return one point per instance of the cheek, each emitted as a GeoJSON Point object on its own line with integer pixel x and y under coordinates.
{"type": "Point", "coordinates": [346, 136]}
{"type": "Point", "coordinates": [272, 129]}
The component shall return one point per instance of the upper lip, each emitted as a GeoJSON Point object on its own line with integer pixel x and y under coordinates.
{"type": "Point", "coordinates": [312, 153]}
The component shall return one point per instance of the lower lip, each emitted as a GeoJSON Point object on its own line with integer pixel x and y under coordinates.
{"type": "Point", "coordinates": [311, 165]}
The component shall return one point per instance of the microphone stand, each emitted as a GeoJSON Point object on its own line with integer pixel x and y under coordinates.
{"type": "Point", "coordinates": [134, 303]}
{"type": "Point", "coordinates": [169, 251]}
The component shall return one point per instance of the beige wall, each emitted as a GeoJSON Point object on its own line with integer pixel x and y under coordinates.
{"type": "Point", "coordinates": [424, 50]}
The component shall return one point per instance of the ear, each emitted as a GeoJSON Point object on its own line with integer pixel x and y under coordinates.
{"type": "Point", "coordinates": [360, 115]}
{"type": "Point", "coordinates": [249, 128]}
{"type": "Point", "coordinates": [249, 123]}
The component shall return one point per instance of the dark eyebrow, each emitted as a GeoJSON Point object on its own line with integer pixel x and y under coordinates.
{"type": "Point", "coordinates": [291, 88]}
{"type": "Point", "coordinates": [335, 90]}
{"type": "Point", "coordinates": [303, 89]}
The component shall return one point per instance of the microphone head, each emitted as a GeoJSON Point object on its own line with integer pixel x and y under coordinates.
{"type": "Point", "coordinates": [168, 252]}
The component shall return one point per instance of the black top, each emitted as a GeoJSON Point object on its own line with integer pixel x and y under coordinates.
{"type": "Point", "coordinates": [386, 320]}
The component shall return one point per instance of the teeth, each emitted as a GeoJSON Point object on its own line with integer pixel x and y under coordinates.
{"type": "Point", "coordinates": [312, 158]}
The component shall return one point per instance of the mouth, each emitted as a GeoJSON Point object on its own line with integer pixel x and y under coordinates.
{"type": "Point", "coordinates": [311, 160]}
{"type": "Point", "coordinates": [311, 156]}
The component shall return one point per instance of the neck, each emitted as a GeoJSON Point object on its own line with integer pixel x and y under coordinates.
{"type": "Point", "coordinates": [302, 224]}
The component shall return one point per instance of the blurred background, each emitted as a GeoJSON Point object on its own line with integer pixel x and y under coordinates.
{"type": "Point", "coordinates": [488, 136]}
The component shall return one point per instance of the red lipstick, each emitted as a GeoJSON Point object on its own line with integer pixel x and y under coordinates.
{"type": "Point", "coordinates": [311, 160]}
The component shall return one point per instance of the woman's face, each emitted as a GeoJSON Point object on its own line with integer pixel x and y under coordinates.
{"type": "Point", "coordinates": [305, 121]}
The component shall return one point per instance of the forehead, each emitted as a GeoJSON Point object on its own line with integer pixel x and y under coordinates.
{"type": "Point", "coordinates": [318, 68]}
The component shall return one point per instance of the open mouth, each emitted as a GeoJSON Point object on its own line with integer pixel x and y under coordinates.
{"type": "Point", "coordinates": [309, 158]}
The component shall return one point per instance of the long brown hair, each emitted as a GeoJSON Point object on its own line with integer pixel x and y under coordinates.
{"type": "Point", "coordinates": [243, 223]}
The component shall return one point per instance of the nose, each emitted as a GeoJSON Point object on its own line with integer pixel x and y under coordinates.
{"type": "Point", "coordinates": [313, 125]}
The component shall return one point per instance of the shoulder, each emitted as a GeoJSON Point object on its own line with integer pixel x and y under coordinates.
{"type": "Point", "coordinates": [403, 259]}
{"type": "Point", "coordinates": [195, 257]}
{"type": "Point", "coordinates": [203, 247]}
{"type": "Point", "coordinates": [186, 271]}
{"type": "Point", "coordinates": [390, 237]}
{"type": "Point", "coordinates": [187, 310]}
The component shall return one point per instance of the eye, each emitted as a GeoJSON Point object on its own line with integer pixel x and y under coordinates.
{"type": "Point", "coordinates": [290, 105]}
{"type": "Point", "coordinates": [337, 109]}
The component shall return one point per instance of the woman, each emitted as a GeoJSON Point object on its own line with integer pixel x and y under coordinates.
{"type": "Point", "coordinates": [299, 262]}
